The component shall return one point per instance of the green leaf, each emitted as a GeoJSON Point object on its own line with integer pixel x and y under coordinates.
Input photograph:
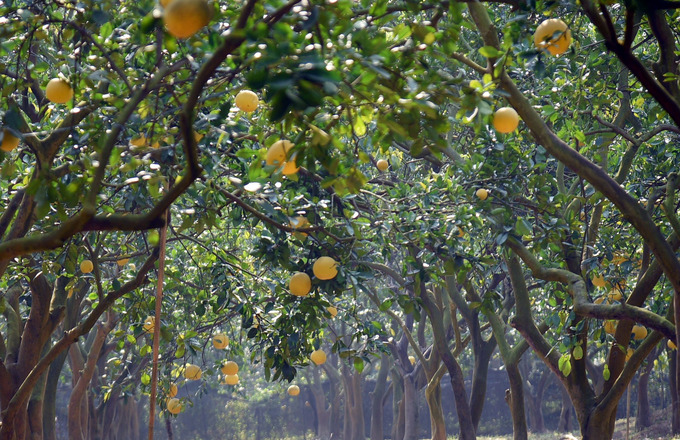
{"type": "Point", "coordinates": [565, 364]}
{"type": "Point", "coordinates": [358, 364]}
{"type": "Point", "coordinates": [522, 227]}
{"type": "Point", "coordinates": [385, 305]}
{"type": "Point", "coordinates": [490, 52]}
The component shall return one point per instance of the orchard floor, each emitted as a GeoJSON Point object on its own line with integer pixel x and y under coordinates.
{"type": "Point", "coordinates": [660, 430]}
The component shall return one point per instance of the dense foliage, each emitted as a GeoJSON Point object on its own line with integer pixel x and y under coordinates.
{"type": "Point", "coordinates": [559, 236]}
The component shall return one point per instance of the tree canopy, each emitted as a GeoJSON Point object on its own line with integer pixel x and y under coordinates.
{"type": "Point", "coordinates": [131, 140]}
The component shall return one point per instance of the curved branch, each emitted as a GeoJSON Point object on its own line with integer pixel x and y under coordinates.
{"type": "Point", "coordinates": [655, 88]}
{"type": "Point", "coordinates": [582, 306]}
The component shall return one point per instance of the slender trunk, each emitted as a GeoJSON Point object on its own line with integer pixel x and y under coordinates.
{"type": "Point", "coordinates": [50, 400]}
{"type": "Point", "coordinates": [347, 421]}
{"type": "Point", "coordinates": [377, 400]}
{"type": "Point", "coordinates": [134, 419]}
{"type": "Point", "coordinates": [564, 424]}
{"type": "Point", "coordinates": [673, 381]}
{"type": "Point", "coordinates": [323, 413]}
{"type": "Point", "coordinates": [36, 408]}
{"type": "Point", "coordinates": [35, 417]}
{"type": "Point", "coordinates": [467, 427]}
{"type": "Point", "coordinates": [644, 418]}
{"type": "Point", "coordinates": [357, 408]}
{"type": "Point", "coordinates": [398, 413]}
{"type": "Point", "coordinates": [534, 402]}
{"type": "Point", "coordinates": [410, 409]}
{"type": "Point", "coordinates": [168, 428]}
{"type": "Point", "coordinates": [336, 405]}
{"type": "Point", "coordinates": [480, 372]}
{"type": "Point", "coordinates": [515, 399]}
{"type": "Point", "coordinates": [79, 403]}
{"type": "Point", "coordinates": [433, 395]}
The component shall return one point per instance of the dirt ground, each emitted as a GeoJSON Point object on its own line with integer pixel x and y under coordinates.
{"type": "Point", "coordinates": [660, 429]}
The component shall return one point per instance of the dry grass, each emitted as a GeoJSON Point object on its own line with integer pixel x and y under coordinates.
{"type": "Point", "coordinates": [660, 430]}
{"type": "Point", "coordinates": [544, 436]}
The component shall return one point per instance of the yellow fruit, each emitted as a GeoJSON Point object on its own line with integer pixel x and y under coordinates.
{"type": "Point", "coordinates": [670, 344]}
{"type": "Point", "coordinates": [412, 360]}
{"type": "Point", "coordinates": [174, 405]}
{"type": "Point", "coordinates": [220, 341]}
{"type": "Point", "coordinates": [318, 357]}
{"type": "Point", "coordinates": [183, 18]}
{"type": "Point", "coordinates": [600, 300]}
{"type": "Point", "coordinates": [619, 258]}
{"type": "Point", "coordinates": [9, 141]}
{"type": "Point", "coordinates": [300, 284]}
{"type": "Point", "coordinates": [552, 35]}
{"type": "Point", "coordinates": [332, 310]}
{"type": "Point", "coordinates": [325, 268]}
{"type": "Point", "coordinates": [639, 332]}
{"type": "Point", "coordinates": [293, 390]}
{"type": "Point", "coordinates": [610, 327]}
{"type": "Point", "coordinates": [138, 141]}
{"type": "Point", "coordinates": [229, 368]}
{"type": "Point", "coordinates": [192, 372]}
{"type": "Point", "coordinates": [615, 295]}
{"type": "Point", "coordinates": [149, 324]}
{"type": "Point", "coordinates": [58, 91]}
{"type": "Point", "coordinates": [299, 222]}
{"type": "Point", "coordinates": [246, 101]}
{"type": "Point", "coordinates": [172, 392]}
{"type": "Point", "coordinates": [86, 266]}
{"type": "Point", "coordinates": [122, 261]}
{"type": "Point", "coordinates": [598, 281]}
{"type": "Point", "coordinates": [482, 194]}
{"type": "Point", "coordinates": [231, 379]}
{"type": "Point", "coordinates": [382, 165]}
{"type": "Point", "coordinates": [505, 120]}
{"type": "Point", "coordinates": [277, 155]}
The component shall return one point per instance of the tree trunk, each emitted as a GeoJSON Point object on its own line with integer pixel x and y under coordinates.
{"type": "Point", "coordinates": [377, 400]}
{"type": "Point", "coordinates": [480, 372]}
{"type": "Point", "coordinates": [357, 408]}
{"type": "Point", "coordinates": [433, 395]}
{"type": "Point", "coordinates": [564, 424]}
{"type": "Point", "coordinates": [644, 418]}
{"type": "Point", "coordinates": [35, 417]}
{"type": "Point", "coordinates": [600, 425]}
{"type": "Point", "coordinates": [673, 381]}
{"type": "Point", "coordinates": [398, 416]}
{"type": "Point", "coordinates": [515, 399]}
{"type": "Point", "coordinates": [168, 428]}
{"type": "Point", "coordinates": [534, 400]}
{"type": "Point", "coordinates": [323, 413]}
{"type": "Point", "coordinates": [410, 409]}
{"type": "Point", "coordinates": [50, 400]}
{"type": "Point", "coordinates": [79, 408]}
{"type": "Point", "coordinates": [467, 427]}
